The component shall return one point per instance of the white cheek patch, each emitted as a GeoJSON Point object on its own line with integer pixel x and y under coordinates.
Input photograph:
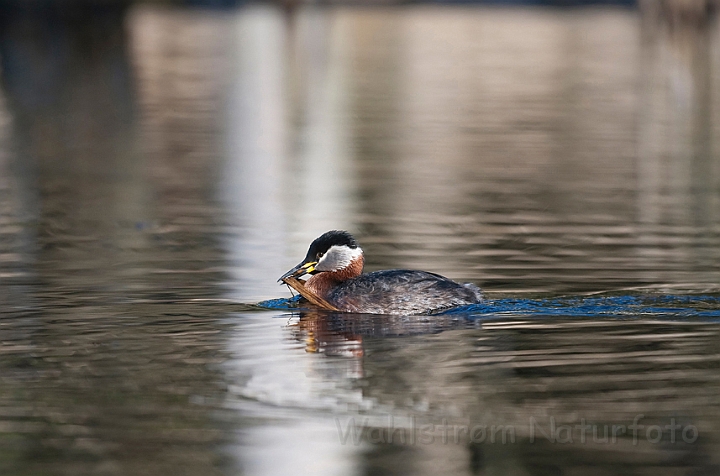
{"type": "Point", "coordinates": [337, 258]}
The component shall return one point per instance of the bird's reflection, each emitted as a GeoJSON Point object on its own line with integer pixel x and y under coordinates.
{"type": "Point", "coordinates": [320, 335]}
{"type": "Point", "coordinates": [343, 334]}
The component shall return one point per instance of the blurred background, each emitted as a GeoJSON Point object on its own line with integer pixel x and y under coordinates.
{"type": "Point", "coordinates": [163, 162]}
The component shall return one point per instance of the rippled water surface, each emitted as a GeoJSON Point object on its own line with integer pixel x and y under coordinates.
{"type": "Point", "coordinates": [172, 163]}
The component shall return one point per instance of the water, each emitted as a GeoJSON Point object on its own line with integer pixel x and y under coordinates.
{"type": "Point", "coordinates": [175, 162]}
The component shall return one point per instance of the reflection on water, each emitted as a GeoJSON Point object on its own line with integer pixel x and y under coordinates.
{"type": "Point", "coordinates": [182, 159]}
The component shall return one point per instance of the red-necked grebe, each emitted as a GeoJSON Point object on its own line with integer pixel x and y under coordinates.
{"type": "Point", "coordinates": [335, 261]}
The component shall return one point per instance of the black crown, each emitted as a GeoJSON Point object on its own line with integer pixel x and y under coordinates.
{"type": "Point", "coordinates": [332, 238]}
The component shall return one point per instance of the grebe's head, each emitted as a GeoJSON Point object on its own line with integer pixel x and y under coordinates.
{"type": "Point", "coordinates": [334, 251]}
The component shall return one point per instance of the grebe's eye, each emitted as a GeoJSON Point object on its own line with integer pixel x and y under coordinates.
{"type": "Point", "coordinates": [319, 255]}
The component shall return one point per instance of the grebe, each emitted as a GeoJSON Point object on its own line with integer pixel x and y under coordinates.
{"type": "Point", "coordinates": [335, 261]}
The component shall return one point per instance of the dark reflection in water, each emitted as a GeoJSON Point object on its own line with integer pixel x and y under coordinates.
{"type": "Point", "coordinates": [105, 356]}
{"type": "Point", "coordinates": [160, 168]}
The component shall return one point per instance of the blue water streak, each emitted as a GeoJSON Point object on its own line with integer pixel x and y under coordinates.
{"type": "Point", "coordinates": [666, 306]}
{"type": "Point", "coordinates": [600, 306]}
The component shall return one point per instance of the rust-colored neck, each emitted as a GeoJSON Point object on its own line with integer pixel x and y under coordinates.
{"type": "Point", "coordinates": [322, 283]}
